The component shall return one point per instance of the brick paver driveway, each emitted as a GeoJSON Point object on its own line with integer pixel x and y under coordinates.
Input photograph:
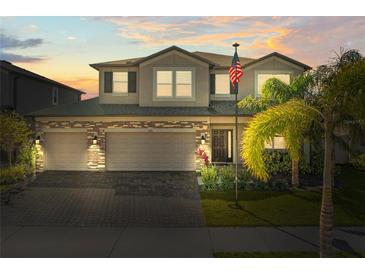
{"type": "Point", "coordinates": [58, 198]}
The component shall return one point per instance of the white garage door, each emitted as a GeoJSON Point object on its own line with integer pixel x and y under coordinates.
{"type": "Point", "coordinates": [66, 151]}
{"type": "Point", "coordinates": [150, 151]}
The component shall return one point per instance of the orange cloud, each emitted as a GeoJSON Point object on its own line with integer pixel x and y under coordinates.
{"type": "Point", "coordinates": [88, 85]}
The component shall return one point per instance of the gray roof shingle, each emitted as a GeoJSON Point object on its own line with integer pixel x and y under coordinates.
{"type": "Point", "coordinates": [92, 107]}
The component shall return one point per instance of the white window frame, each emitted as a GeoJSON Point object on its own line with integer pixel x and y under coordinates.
{"type": "Point", "coordinates": [271, 144]}
{"type": "Point", "coordinates": [257, 72]}
{"type": "Point", "coordinates": [229, 88]}
{"type": "Point", "coordinates": [174, 97]}
{"type": "Point", "coordinates": [55, 94]}
{"type": "Point", "coordinates": [118, 93]}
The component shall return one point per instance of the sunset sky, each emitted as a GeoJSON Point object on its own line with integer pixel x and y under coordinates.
{"type": "Point", "coordinates": [62, 48]}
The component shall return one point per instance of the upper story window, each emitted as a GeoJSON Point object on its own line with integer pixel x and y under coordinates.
{"type": "Point", "coordinates": [222, 84]}
{"type": "Point", "coordinates": [184, 83]}
{"type": "Point", "coordinates": [55, 96]}
{"type": "Point", "coordinates": [262, 77]}
{"type": "Point", "coordinates": [120, 82]}
{"type": "Point", "coordinates": [164, 84]}
{"type": "Point", "coordinates": [277, 143]}
{"type": "Point", "coordinates": [174, 83]}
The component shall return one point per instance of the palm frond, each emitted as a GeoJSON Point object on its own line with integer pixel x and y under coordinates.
{"type": "Point", "coordinates": [290, 119]}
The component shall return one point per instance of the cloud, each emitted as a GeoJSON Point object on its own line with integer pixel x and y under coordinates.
{"type": "Point", "coordinates": [71, 38]}
{"type": "Point", "coordinates": [17, 58]}
{"type": "Point", "coordinates": [308, 39]}
{"type": "Point", "coordinates": [31, 28]}
{"type": "Point", "coordinates": [8, 42]}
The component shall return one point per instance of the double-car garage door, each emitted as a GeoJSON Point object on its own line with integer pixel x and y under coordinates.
{"type": "Point", "coordinates": [125, 151]}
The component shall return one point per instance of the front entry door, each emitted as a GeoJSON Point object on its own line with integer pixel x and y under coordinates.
{"type": "Point", "coordinates": [222, 145]}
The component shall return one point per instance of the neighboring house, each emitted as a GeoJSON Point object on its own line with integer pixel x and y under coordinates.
{"type": "Point", "coordinates": [152, 113]}
{"type": "Point", "coordinates": [24, 91]}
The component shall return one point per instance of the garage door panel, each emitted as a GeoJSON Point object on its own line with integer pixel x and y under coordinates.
{"type": "Point", "coordinates": [150, 151]}
{"type": "Point", "coordinates": [66, 151]}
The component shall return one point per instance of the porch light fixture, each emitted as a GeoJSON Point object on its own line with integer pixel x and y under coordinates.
{"type": "Point", "coordinates": [95, 140]}
{"type": "Point", "coordinates": [37, 140]}
{"type": "Point", "coordinates": [202, 139]}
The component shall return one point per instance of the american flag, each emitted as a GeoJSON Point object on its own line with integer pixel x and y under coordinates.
{"type": "Point", "coordinates": [235, 70]}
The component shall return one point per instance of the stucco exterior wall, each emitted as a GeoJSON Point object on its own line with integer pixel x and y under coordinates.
{"type": "Point", "coordinates": [247, 84]}
{"type": "Point", "coordinates": [174, 59]}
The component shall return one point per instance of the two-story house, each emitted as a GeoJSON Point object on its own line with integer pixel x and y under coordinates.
{"type": "Point", "coordinates": [152, 113]}
{"type": "Point", "coordinates": [24, 91]}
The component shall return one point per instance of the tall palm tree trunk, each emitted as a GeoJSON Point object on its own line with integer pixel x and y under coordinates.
{"type": "Point", "coordinates": [295, 172]}
{"type": "Point", "coordinates": [326, 217]}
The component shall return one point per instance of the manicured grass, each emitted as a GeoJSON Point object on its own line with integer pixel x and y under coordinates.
{"type": "Point", "coordinates": [4, 188]}
{"type": "Point", "coordinates": [299, 254]}
{"type": "Point", "coordinates": [290, 208]}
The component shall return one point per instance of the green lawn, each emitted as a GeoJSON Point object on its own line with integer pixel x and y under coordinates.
{"type": "Point", "coordinates": [290, 208]}
{"type": "Point", "coordinates": [299, 254]}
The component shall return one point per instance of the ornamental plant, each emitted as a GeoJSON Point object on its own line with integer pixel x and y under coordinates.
{"type": "Point", "coordinates": [203, 155]}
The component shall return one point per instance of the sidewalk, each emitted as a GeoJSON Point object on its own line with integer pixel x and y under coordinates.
{"type": "Point", "coordinates": [167, 242]}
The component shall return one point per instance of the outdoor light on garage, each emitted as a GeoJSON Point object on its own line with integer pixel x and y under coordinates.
{"type": "Point", "coordinates": [95, 140]}
{"type": "Point", "coordinates": [37, 140]}
{"type": "Point", "coordinates": [202, 139]}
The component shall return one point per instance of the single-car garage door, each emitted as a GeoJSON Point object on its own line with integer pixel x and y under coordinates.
{"type": "Point", "coordinates": [133, 151]}
{"type": "Point", "coordinates": [66, 151]}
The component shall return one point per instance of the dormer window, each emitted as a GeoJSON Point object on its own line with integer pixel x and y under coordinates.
{"type": "Point", "coordinates": [55, 96]}
{"type": "Point", "coordinates": [174, 83]}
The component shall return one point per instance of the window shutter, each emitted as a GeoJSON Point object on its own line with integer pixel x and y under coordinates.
{"type": "Point", "coordinates": [108, 82]}
{"type": "Point", "coordinates": [132, 81]}
{"type": "Point", "coordinates": [212, 83]}
{"type": "Point", "coordinates": [232, 89]}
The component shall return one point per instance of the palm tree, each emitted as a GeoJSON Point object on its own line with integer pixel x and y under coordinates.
{"type": "Point", "coordinates": [339, 101]}
{"type": "Point", "coordinates": [277, 92]}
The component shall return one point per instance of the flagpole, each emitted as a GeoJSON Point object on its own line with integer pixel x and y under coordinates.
{"type": "Point", "coordinates": [236, 45]}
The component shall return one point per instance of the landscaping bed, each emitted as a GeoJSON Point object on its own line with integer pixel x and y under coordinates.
{"type": "Point", "coordinates": [14, 180]}
{"type": "Point", "coordinates": [290, 207]}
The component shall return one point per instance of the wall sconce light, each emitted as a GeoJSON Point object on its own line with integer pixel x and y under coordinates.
{"type": "Point", "coordinates": [202, 139]}
{"type": "Point", "coordinates": [37, 140]}
{"type": "Point", "coordinates": [95, 140]}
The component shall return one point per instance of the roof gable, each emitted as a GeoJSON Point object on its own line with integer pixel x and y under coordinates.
{"type": "Point", "coordinates": [142, 60]}
{"type": "Point", "coordinates": [280, 56]}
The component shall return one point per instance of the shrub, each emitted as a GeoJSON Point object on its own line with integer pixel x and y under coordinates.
{"type": "Point", "coordinates": [277, 162]}
{"type": "Point", "coordinates": [244, 175]}
{"type": "Point", "coordinates": [27, 156]}
{"type": "Point", "coordinates": [227, 178]}
{"type": "Point", "coordinates": [316, 162]}
{"type": "Point", "coordinates": [209, 176]}
{"type": "Point", "coordinates": [12, 174]}
{"type": "Point", "coordinates": [359, 162]}
{"type": "Point", "coordinates": [279, 185]}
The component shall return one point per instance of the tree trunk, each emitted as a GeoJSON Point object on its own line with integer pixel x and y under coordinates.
{"type": "Point", "coordinates": [295, 173]}
{"type": "Point", "coordinates": [10, 157]}
{"type": "Point", "coordinates": [333, 171]}
{"type": "Point", "coordinates": [326, 217]}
